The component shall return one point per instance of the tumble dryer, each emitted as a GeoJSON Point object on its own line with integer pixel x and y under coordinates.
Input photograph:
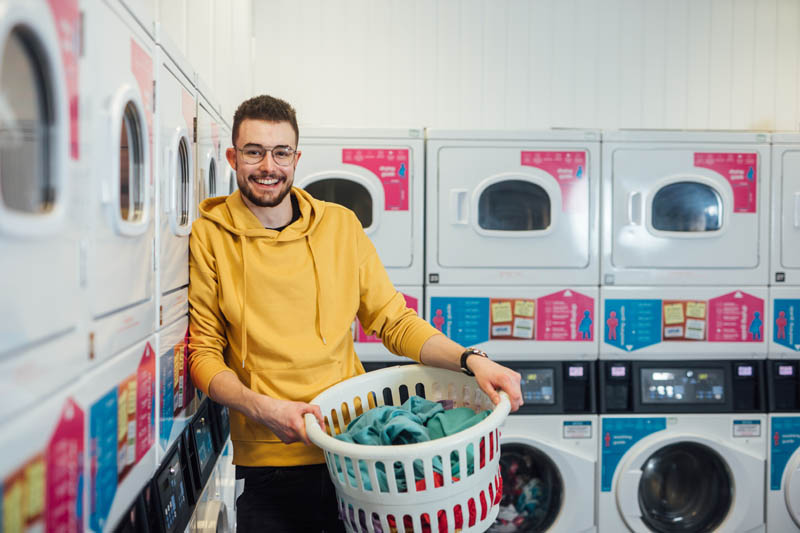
{"type": "Point", "coordinates": [783, 463]}
{"type": "Point", "coordinates": [523, 323]}
{"type": "Point", "coordinates": [784, 340]}
{"type": "Point", "coordinates": [682, 446]}
{"type": "Point", "coordinates": [549, 451]}
{"type": "Point", "coordinates": [210, 174]}
{"type": "Point", "coordinates": [118, 399]}
{"type": "Point", "coordinates": [118, 140]}
{"type": "Point", "coordinates": [682, 322]}
{"type": "Point", "coordinates": [685, 208]}
{"type": "Point", "coordinates": [174, 159]}
{"type": "Point", "coordinates": [512, 207]}
{"type": "Point", "coordinates": [43, 341]}
{"type": "Point", "coordinates": [379, 175]}
{"type": "Point", "coordinates": [785, 208]}
{"type": "Point", "coordinates": [42, 466]}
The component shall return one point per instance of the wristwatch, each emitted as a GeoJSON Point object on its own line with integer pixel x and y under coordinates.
{"type": "Point", "coordinates": [470, 351]}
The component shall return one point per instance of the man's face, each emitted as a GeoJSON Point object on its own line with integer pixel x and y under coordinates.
{"type": "Point", "coordinates": [266, 183]}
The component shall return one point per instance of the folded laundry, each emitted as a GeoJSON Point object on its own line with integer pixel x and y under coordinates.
{"type": "Point", "coordinates": [416, 420]}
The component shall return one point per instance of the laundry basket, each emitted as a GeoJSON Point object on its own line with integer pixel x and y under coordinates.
{"type": "Point", "coordinates": [449, 484]}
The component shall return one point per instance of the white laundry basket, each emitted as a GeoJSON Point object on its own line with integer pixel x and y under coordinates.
{"type": "Point", "coordinates": [369, 506]}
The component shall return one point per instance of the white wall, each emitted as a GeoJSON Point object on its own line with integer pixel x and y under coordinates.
{"type": "Point", "coordinates": [716, 64]}
{"type": "Point", "coordinates": [216, 38]}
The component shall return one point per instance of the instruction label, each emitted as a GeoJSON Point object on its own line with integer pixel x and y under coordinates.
{"type": "Point", "coordinates": [740, 170]}
{"type": "Point", "coordinates": [390, 166]}
{"type": "Point", "coordinates": [568, 168]}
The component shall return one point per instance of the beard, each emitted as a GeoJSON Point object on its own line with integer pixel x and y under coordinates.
{"type": "Point", "coordinates": [265, 199]}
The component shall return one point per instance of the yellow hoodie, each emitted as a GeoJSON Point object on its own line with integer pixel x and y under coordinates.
{"type": "Point", "coordinates": [276, 308]}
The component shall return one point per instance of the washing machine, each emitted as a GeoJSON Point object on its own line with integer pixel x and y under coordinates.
{"type": "Point", "coordinates": [41, 467]}
{"type": "Point", "coordinates": [119, 400]}
{"type": "Point", "coordinates": [379, 175]}
{"type": "Point", "coordinates": [176, 393]}
{"type": "Point", "coordinates": [783, 463]}
{"type": "Point", "coordinates": [174, 159]}
{"type": "Point", "coordinates": [521, 323]}
{"type": "Point", "coordinates": [685, 208]}
{"type": "Point", "coordinates": [681, 322]}
{"type": "Point", "coordinates": [369, 348]}
{"type": "Point", "coordinates": [683, 446]}
{"type": "Point", "coordinates": [549, 450]}
{"type": "Point", "coordinates": [784, 340]}
{"type": "Point", "coordinates": [119, 242]}
{"type": "Point", "coordinates": [785, 208]}
{"type": "Point", "coordinates": [512, 207]}
{"type": "Point", "coordinates": [210, 173]}
{"type": "Point", "coordinates": [43, 339]}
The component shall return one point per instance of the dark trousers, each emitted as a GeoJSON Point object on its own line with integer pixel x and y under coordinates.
{"type": "Point", "coordinates": [287, 500]}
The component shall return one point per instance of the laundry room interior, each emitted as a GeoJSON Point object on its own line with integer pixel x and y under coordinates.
{"type": "Point", "coordinates": [602, 196]}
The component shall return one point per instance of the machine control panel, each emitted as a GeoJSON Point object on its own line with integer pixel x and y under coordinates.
{"type": "Point", "coordinates": [173, 502]}
{"type": "Point", "coordinates": [537, 385]}
{"type": "Point", "coordinates": [683, 385]}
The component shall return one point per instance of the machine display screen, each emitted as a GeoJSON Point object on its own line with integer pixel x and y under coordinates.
{"type": "Point", "coordinates": [204, 446]}
{"type": "Point", "coordinates": [537, 385]}
{"type": "Point", "coordinates": [173, 494]}
{"type": "Point", "coordinates": [683, 385]}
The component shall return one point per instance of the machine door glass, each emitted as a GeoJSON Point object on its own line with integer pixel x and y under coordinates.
{"type": "Point", "coordinates": [790, 210]}
{"type": "Point", "coordinates": [533, 490]}
{"type": "Point", "coordinates": [509, 213]}
{"type": "Point", "coordinates": [687, 206]}
{"type": "Point", "coordinates": [667, 212]}
{"type": "Point", "coordinates": [348, 193]}
{"type": "Point", "coordinates": [26, 143]}
{"type": "Point", "coordinates": [212, 178]}
{"type": "Point", "coordinates": [685, 486]}
{"type": "Point", "coordinates": [131, 167]}
{"type": "Point", "coordinates": [183, 183]}
{"type": "Point", "coordinates": [231, 181]}
{"type": "Point", "coordinates": [514, 205]}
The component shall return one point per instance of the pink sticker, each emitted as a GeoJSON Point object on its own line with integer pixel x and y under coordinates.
{"type": "Point", "coordinates": [145, 394]}
{"type": "Point", "coordinates": [215, 137]}
{"type": "Point", "coordinates": [390, 166]}
{"type": "Point", "coordinates": [736, 317]}
{"type": "Point", "coordinates": [67, 23]}
{"type": "Point", "coordinates": [187, 106]}
{"type": "Point", "coordinates": [741, 171]}
{"type": "Point", "coordinates": [142, 68]}
{"type": "Point", "coordinates": [411, 303]}
{"type": "Point", "coordinates": [569, 171]}
{"type": "Point", "coordinates": [65, 470]}
{"type": "Point", "coordinates": [565, 316]}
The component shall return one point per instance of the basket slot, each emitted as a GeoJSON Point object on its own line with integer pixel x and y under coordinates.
{"type": "Point", "coordinates": [491, 445]}
{"type": "Point", "coordinates": [335, 427]}
{"type": "Point", "coordinates": [372, 400]}
{"type": "Point", "coordinates": [419, 474]}
{"type": "Point", "coordinates": [420, 390]}
{"type": "Point", "coordinates": [452, 477]}
{"type": "Point", "coordinates": [348, 414]}
{"type": "Point", "coordinates": [387, 396]}
{"type": "Point", "coordinates": [471, 463]}
{"type": "Point", "coordinates": [403, 391]}
{"type": "Point", "coordinates": [437, 481]}
{"type": "Point", "coordinates": [391, 480]}
{"type": "Point", "coordinates": [358, 405]}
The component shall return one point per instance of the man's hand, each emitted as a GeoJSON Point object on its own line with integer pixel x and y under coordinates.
{"type": "Point", "coordinates": [285, 418]}
{"type": "Point", "coordinates": [492, 376]}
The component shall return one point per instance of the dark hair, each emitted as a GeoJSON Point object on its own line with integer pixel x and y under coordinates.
{"type": "Point", "coordinates": [265, 107]}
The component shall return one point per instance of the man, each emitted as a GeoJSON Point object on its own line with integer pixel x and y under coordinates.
{"type": "Point", "coordinates": [276, 279]}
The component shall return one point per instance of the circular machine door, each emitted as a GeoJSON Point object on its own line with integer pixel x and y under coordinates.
{"type": "Point", "coordinates": [349, 193]}
{"type": "Point", "coordinates": [533, 490]}
{"type": "Point", "coordinates": [685, 487]}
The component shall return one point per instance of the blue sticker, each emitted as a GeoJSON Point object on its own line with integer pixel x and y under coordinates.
{"type": "Point", "coordinates": [402, 170]}
{"type": "Point", "coordinates": [579, 172]}
{"type": "Point", "coordinates": [619, 434]}
{"type": "Point", "coordinates": [464, 320]}
{"type": "Point", "coordinates": [632, 324]}
{"type": "Point", "coordinates": [103, 453]}
{"type": "Point", "coordinates": [785, 439]}
{"type": "Point", "coordinates": [786, 332]}
{"type": "Point", "coordinates": [167, 394]}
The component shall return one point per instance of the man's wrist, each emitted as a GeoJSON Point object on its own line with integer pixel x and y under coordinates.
{"type": "Point", "coordinates": [467, 355]}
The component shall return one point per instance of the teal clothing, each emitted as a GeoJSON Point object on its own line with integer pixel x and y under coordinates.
{"type": "Point", "coordinates": [417, 420]}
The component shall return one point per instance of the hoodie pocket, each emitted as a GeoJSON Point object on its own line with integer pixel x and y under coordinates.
{"type": "Point", "coordinates": [295, 384]}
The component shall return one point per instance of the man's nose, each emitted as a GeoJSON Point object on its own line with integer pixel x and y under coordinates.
{"type": "Point", "coordinates": [268, 163]}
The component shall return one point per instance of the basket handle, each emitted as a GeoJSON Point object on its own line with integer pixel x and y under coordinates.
{"type": "Point", "coordinates": [317, 435]}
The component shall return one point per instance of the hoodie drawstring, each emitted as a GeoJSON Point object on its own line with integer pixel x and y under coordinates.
{"type": "Point", "coordinates": [244, 299]}
{"type": "Point", "coordinates": [319, 290]}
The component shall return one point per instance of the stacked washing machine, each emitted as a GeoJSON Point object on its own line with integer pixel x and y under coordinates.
{"type": "Point", "coordinates": [379, 175]}
{"type": "Point", "coordinates": [683, 436]}
{"type": "Point", "coordinates": [783, 483]}
{"type": "Point", "coordinates": [512, 268]}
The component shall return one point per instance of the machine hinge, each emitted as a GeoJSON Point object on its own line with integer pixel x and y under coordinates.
{"type": "Point", "coordinates": [194, 129]}
{"type": "Point", "coordinates": [160, 315]}
{"type": "Point", "coordinates": [91, 346]}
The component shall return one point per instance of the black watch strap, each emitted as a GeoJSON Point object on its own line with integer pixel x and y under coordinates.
{"type": "Point", "coordinates": [464, 356]}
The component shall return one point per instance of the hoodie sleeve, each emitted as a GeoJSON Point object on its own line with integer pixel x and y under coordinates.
{"type": "Point", "coordinates": [382, 309]}
{"type": "Point", "coordinates": [207, 338]}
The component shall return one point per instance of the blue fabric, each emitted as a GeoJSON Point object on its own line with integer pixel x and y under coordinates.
{"type": "Point", "coordinates": [417, 420]}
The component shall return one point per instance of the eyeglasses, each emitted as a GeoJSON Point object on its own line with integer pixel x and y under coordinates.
{"type": "Point", "coordinates": [254, 153]}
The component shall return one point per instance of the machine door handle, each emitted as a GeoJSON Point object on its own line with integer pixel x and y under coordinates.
{"type": "Point", "coordinates": [459, 209]}
{"type": "Point", "coordinates": [797, 210]}
{"type": "Point", "coordinates": [635, 208]}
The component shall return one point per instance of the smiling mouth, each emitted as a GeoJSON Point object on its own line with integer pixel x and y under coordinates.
{"type": "Point", "coordinates": [267, 181]}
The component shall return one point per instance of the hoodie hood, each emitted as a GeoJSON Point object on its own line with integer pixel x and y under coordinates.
{"type": "Point", "coordinates": [233, 215]}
